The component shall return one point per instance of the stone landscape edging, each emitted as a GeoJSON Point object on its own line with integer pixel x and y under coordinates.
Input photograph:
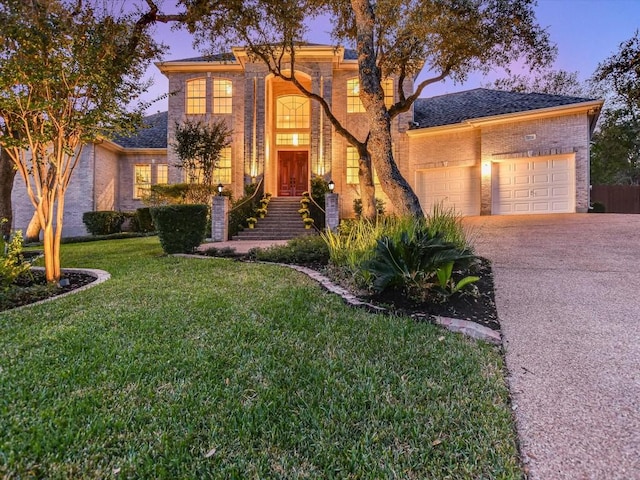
{"type": "Point", "coordinates": [470, 329]}
{"type": "Point", "coordinates": [101, 276]}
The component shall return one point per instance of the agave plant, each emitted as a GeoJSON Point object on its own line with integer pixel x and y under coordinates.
{"type": "Point", "coordinates": [413, 261]}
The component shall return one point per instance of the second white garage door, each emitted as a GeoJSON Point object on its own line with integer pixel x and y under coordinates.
{"type": "Point", "coordinates": [453, 187]}
{"type": "Point", "coordinates": [533, 186]}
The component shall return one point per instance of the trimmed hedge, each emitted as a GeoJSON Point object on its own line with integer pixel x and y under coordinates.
{"type": "Point", "coordinates": [103, 222]}
{"type": "Point", "coordinates": [181, 228]}
{"type": "Point", "coordinates": [142, 221]}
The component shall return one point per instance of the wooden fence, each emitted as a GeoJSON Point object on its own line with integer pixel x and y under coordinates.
{"type": "Point", "coordinates": [617, 198]}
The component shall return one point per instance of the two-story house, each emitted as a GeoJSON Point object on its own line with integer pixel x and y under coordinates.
{"type": "Point", "coordinates": [480, 151]}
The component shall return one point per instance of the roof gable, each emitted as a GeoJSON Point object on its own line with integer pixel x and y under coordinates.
{"type": "Point", "coordinates": [230, 58]}
{"type": "Point", "coordinates": [455, 108]}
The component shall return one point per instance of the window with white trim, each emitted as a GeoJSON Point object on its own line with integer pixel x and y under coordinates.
{"type": "Point", "coordinates": [196, 96]}
{"type": "Point", "coordinates": [162, 173]}
{"type": "Point", "coordinates": [387, 88]}
{"type": "Point", "coordinates": [352, 166]}
{"type": "Point", "coordinates": [222, 173]}
{"type": "Point", "coordinates": [141, 181]}
{"type": "Point", "coordinates": [354, 104]}
{"type": "Point", "coordinates": [222, 96]}
{"type": "Point", "coordinates": [293, 112]}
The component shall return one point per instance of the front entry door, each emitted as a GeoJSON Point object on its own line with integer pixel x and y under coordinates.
{"type": "Point", "coordinates": [293, 177]}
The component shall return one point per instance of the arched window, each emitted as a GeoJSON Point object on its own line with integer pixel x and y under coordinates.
{"type": "Point", "coordinates": [196, 96]}
{"type": "Point", "coordinates": [293, 112]}
{"type": "Point", "coordinates": [222, 96]}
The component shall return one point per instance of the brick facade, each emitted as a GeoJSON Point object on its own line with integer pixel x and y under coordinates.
{"type": "Point", "coordinates": [104, 179]}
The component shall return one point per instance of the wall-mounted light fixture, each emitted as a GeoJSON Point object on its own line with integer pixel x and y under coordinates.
{"type": "Point", "coordinates": [486, 168]}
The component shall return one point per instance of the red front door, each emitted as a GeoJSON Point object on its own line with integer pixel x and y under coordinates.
{"type": "Point", "coordinates": [293, 176]}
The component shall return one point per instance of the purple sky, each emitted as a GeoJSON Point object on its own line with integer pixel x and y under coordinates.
{"type": "Point", "coordinates": [585, 31]}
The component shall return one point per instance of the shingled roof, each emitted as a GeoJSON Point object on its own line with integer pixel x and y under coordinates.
{"type": "Point", "coordinates": [152, 134]}
{"type": "Point", "coordinates": [482, 102]}
{"type": "Point", "coordinates": [437, 111]}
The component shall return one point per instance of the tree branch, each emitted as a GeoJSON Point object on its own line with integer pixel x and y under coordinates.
{"type": "Point", "coordinates": [405, 104]}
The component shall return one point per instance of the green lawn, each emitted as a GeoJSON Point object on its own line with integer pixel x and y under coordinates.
{"type": "Point", "coordinates": [186, 369]}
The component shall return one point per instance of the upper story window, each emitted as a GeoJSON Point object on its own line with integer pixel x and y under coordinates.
{"type": "Point", "coordinates": [354, 104]}
{"type": "Point", "coordinates": [387, 87]}
{"type": "Point", "coordinates": [293, 112]}
{"type": "Point", "coordinates": [222, 96]}
{"type": "Point", "coordinates": [196, 96]}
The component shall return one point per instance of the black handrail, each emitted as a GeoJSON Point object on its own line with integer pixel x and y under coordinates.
{"type": "Point", "coordinates": [235, 207]}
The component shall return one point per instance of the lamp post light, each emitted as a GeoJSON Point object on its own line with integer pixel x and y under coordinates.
{"type": "Point", "coordinates": [332, 211]}
{"type": "Point", "coordinates": [220, 188]}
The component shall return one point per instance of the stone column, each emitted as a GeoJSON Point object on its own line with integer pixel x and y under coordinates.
{"type": "Point", "coordinates": [331, 206]}
{"type": "Point", "coordinates": [220, 219]}
{"type": "Point", "coordinates": [486, 168]}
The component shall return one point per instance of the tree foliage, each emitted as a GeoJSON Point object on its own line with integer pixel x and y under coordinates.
{"type": "Point", "coordinates": [615, 150]}
{"type": "Point", "coordinates": [615, 155]}
{"type": "Point", "coordinates": [394, 39]}
{"type": "Point", "coordinates": [199, 146]}
{"type": "Point", "coordinates": [553, 82]}
{"type": "Point", "coordinates": [68, 72]}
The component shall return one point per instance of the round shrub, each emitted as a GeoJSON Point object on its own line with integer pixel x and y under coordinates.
{"type": "Point", "coordinates": [181, 228]}
{"type": "Point", "coordinates": [103, 222]}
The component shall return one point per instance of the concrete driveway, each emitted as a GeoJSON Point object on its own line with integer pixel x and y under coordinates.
{"type": "Point", "coordinates": [568, 298]}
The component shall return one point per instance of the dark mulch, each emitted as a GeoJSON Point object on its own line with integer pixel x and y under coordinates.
{"type": "Point", "coordinates": [33, 288]}
{"type": "Point", "coordinates": [476, 305]}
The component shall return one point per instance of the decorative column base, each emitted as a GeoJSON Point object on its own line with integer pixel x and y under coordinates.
{"type": "Point", "coordinates": [220, 219]}
{"type": "Point", "coordinates": [332, 210]}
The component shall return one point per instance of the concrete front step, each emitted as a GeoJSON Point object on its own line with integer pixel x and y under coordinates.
{"type": "Point", "coordinates": [256, 235]}
{"type": "Point", "coordinates": [282, 222]}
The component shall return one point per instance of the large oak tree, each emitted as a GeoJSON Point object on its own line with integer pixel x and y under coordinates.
{"type": "Point", "coordinates": [393, 39]}
{"type": "Point", "coordinates": [68, 73]}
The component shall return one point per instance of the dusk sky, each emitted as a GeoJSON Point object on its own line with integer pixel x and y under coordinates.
{"type": "Point", "coordinates": [585, 31]}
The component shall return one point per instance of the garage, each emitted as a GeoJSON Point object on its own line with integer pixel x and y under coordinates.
{"type": "Point", "coordinates": [533, 186]}
{"type": "Point", "coordinates": [454, 187]}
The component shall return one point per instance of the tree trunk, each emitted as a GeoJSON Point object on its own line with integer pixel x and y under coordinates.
{"type": "Point", "coordinates": [379, 142]}
{"type": "Point", "coordinates": [7, 174]}
{"type": "Point", "coordinates": [367, 188]}
{"type": "Point", "coordinates": [393, 183]}
{"type": "Point", "coordinates": [33, 230]}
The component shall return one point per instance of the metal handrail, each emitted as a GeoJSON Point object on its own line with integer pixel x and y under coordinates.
{"type": "Point", "coordinates": [316, 204]}
{"type": "Point", "coordinates": [250, 198]}
{"type": "Point", "coordinates": [310, 197]}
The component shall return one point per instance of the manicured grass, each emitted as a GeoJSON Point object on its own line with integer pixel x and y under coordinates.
{"type": "Point", "coordinates": [187, 368]}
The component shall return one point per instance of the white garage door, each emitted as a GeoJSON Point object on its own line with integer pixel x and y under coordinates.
{"type": "Point", "coordinates": [454, 187]}
{"type": "Point", "coordinates": [533, 186]}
